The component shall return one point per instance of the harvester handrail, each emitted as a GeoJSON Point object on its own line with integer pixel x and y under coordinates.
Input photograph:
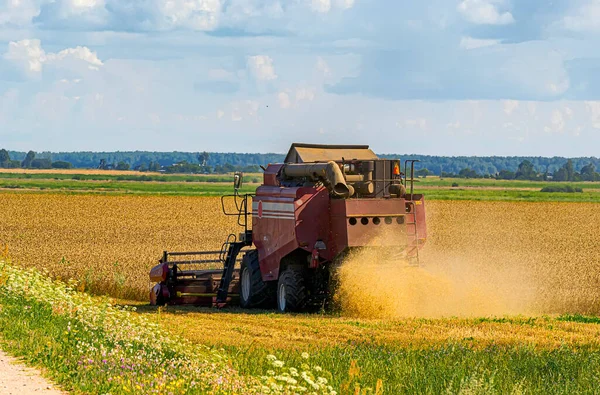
{"type": "Point", "coordinates": [196, 261]}
{"type": "Point", "coordinates": [179, 253]}
{"type": "Point", "coordinates": [240, 206]}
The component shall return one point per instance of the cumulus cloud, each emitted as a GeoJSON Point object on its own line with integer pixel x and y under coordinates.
{"type": "Point", "coordinates": [192, 14]}
{"type": "Point", "coordinates": [284, 100]}
{"type": "Point", "coordinates": [81, 13]}
{"type": "Point", "coordinates": [584, 18]}
{"type": "Point", "coordinates": [290, 98]}
{"type": "Point", "coordinates": [30, 57]}
{"type": "Point", "coordinates": [485, 12]}
{"type": "Point", "coordinates": [261, 67]}
{"type": "Point", "coordinates": [320, 5]}
{"type": "Point", "coordinates": [18, 12]}
{"type": "Point", "coordinates": [161, 15]}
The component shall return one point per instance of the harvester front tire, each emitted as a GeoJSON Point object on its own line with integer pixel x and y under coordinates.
{"type": "Point", "coordinates": [291, 291]}
{"type": "Point", "coordinates": [253, 291]}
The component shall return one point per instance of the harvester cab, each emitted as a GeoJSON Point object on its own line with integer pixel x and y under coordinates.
{"type": "Point", "coordinates": [309, 212]}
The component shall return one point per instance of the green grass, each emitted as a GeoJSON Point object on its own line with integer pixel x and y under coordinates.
{"type": "Point", "coordinates": [227, 178]}
{"type": "Point", "coordinates": [490, 182]}
{"type": "Point", "coordinates": [92, 347]}
{"type": "Point", "coordinates": [190, 185]}
{"type": "Point", "coordinates": [508, 195]}
{"type": "Point", "coordinates": [451, 368]}
{"type": "Point", "coordinates": [160, 188]}
{"type": "Point", "coordinates": [580, 318]}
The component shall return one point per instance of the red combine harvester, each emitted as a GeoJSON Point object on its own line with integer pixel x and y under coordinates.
{"type": "Point", "coordinates": [309, 212]}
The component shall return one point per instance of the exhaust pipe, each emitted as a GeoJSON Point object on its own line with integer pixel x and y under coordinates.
{"type": "Point", "coordinates": [330, 172]}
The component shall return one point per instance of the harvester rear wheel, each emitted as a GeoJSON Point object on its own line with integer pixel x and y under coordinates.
{"type": "Point", "coordinates": [253, 291]}
{"type": "Point", "coordinates": [291, 291]}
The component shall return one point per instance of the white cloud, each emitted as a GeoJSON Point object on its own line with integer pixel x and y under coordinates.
{"type": "Point", "coordinates": [18, 12]}
{"type": "Point", "coordinates": [323, 67]}
{"type": "Point", "coordinates": [31, 57]}
{"type": "Point", "coordinates": [473, 43]}
{"type": "Point", "coordinates": [320, 5]}
{"type": "Point", "coordinates": [200, 15]}
{"type": "Point", "coordinates": [593, 108]}
{"type": "Point", "coordinates": [284, 100]}
{"type": "Point", "coordinates": [307, 94]}
{"type": "Point", "coordinates": [510, 106]}
{"type": "Point", "coordinates": [485, 12]}
{"type": "Point", "coordinates": [261, 67]}
{"type": "Point", "coordinates": [324, 6]}
{"type": "Point", "coordinates": [585, 18]}
{"type": "Point", "coordinates": [87, 12]}
{"type": "Point", "coordinates": [557, 121]}
{"type": "Point", "coordinates": [27, 54]}
{"type": "Point", "coordinates": [344, 4]}
{"type": "Point", "coordinates": [77, 53]}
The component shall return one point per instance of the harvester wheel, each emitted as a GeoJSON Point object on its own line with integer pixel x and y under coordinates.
{"type": "Point", "coordinates": [253, 291]}
{"type": "Point", "coordinates": [291, 291]}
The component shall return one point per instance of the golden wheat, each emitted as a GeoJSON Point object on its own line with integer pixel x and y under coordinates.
{"type": "Point", "coordinates": [480, 257]}
{"type": "Point", "coordinates": [107, 242]}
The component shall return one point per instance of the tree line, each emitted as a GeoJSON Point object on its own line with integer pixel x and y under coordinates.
{"type": "Point", "coordinates": [527, 171]}
{"type": "Point", "coordinates": [182, 162]}
{"type": "Point", "coordinates": [533, 168]}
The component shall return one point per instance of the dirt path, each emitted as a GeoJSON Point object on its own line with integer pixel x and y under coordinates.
{"type": "Point", "coordinates": [18, 379]}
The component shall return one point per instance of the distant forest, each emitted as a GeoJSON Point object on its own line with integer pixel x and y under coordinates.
{"type": "Point", "coordinates": [219, 162]}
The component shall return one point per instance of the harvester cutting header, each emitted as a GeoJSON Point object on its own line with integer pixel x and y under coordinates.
{"type": "Point", "coordinates": [309, 212]}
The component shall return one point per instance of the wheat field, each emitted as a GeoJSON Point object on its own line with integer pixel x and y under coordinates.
{"type": "Point", "coordinates": [480, 258]}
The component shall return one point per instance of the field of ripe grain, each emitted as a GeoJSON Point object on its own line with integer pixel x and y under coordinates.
{"type": "Point", "coordinates": [481, 258]}
{"type": "Point", "coordinates": [107, 242]}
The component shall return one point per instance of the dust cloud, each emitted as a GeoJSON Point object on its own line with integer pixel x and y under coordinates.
{"type": "Point", "coordinates": [482, 259]}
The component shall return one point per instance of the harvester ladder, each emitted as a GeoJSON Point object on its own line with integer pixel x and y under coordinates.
{"type": "Point", "coordinates": [229, 252]}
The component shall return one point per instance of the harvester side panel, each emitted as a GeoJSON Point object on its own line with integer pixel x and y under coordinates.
{"type": "Point", "coordinates": [365, 222]}
{"type": "Point", "coordinates": [313, 224]}
{"type": "Point", "coordinates": [273, 227]}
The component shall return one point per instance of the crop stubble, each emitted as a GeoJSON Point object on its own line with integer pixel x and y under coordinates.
{"type": "Point", "coordinates": [481, 257]}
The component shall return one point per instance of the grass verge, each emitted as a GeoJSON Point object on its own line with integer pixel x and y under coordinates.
{"type": "Point", "coordinates": [90, 346]}
{"type": "Point", "coordinates": [485, 355]}
{"type": "Point", "coordinates": [450, 369]}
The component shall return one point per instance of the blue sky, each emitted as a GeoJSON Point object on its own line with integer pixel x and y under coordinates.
{"type": "Point", "coordinates": [451, 77]}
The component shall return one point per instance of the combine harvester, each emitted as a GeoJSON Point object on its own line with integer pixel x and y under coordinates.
{"type": "Point", "coordinates": [309, 212]}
